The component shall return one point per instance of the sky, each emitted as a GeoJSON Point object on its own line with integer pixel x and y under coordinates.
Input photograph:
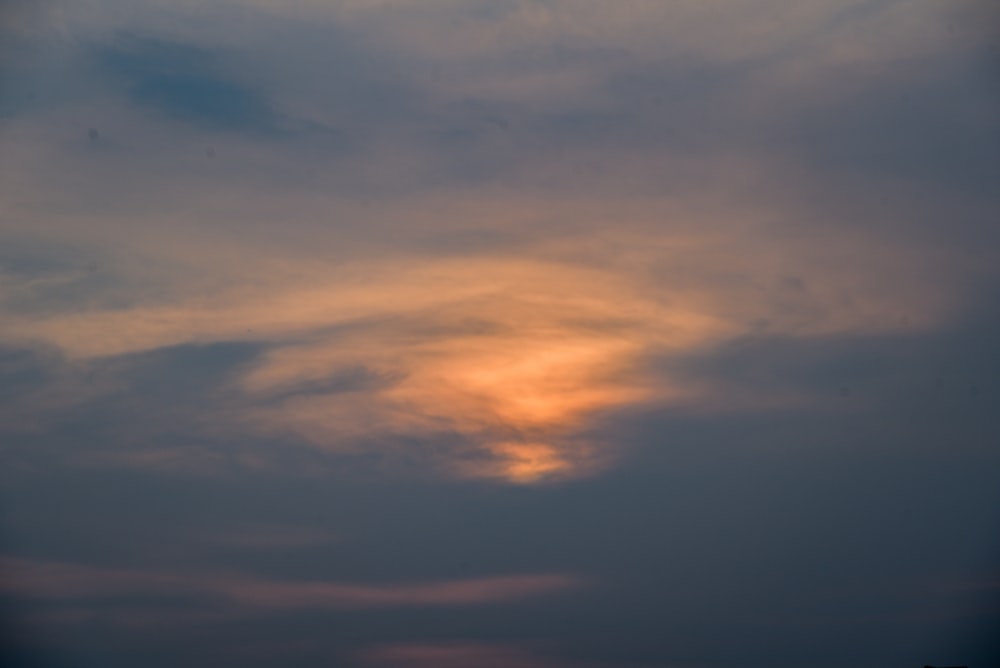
{"type": "Point", "coordinates": [499, 333]}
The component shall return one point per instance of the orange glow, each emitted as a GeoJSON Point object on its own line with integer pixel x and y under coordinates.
{"type": "Point", "coordinates": [524, 463]}
{"type": "Point", "coordinates": [534, 383]}
{"type": "Point", "coordinates": [512, 358]}
{"type": "Point", "coordinates": [503, 362]}
{"type": "Point", "coordinates": [516, 398]}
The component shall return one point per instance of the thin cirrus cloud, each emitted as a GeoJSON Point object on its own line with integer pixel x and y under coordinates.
{"type": "Point", "coordinates": [64, 581]}
{"type": "Point", "coordinates": [453, 655]}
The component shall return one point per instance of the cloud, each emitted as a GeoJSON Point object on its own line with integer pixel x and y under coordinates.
{"type": "Point", "coordinates": [185, 81]}
{"type": "Point", "coordinates": [486, 273]}
{"type": "Point", "coordinates": [316, 316]}
{"type": "Point", "coordinates": [511, 355]}
{"type": "Point", "coordinates": [453, 655]}
{"type": "Point", "coordinates": [67, 581]}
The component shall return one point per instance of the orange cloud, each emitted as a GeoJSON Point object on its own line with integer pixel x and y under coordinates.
{"type": "Point", "coordinates": [514, 360]}
{"type": "Point", "coordinates": [514, 356]}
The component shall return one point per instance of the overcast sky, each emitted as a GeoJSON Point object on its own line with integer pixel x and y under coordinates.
{"type": "Point", "coordinates": [499, 333]}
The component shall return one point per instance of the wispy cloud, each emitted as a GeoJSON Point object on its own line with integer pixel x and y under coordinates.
{"type": "Point", "coordinates": [313, 312]}
{"type": "Point", "coordinates": [535, 217]}
{"type": "Point", "coordinates": [512, 355]}
{"type": "Point", "coordinates": [186, 82]}
{"type": "Point", "coordinates": [454, 655]}
{"type": "Point", "coordinates": [66, 582]}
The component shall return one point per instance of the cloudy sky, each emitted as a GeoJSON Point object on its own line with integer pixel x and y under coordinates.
{"type": "Point", "coordinates": [499, 333]}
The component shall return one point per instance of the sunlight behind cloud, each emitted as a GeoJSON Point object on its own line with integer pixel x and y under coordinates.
{"type": "Point", "coordinates": [487, 238]}
{"type": "Point", "coordinates": [498, 333]}
{"type": "Point", "coordinates": [509, 360]}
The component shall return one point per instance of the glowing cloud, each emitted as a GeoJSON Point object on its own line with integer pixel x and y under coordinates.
{"type": "Point", "coordinates": [493, 320]}
{"type": "Point", "coordinates": [508, 359]}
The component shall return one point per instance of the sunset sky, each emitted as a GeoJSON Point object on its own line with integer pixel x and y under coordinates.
{"type": "Point", "coordinates": [499, 333]}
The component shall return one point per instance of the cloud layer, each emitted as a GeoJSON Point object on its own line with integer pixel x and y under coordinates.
{"type": "Point", "coordinates": [377, 318]}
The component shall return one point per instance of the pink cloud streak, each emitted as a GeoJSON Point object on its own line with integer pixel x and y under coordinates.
{"type": "Point", "coordinates": [60, 580]}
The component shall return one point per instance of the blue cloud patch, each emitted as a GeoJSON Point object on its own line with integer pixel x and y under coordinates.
{"type": "Point", "coordinates": [186, 82]}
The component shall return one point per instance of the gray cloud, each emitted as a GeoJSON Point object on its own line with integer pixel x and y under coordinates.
{"type": "Point", "coordinates": [747, 261]}
{"type": "Point", "coordinates": [186, 81]}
